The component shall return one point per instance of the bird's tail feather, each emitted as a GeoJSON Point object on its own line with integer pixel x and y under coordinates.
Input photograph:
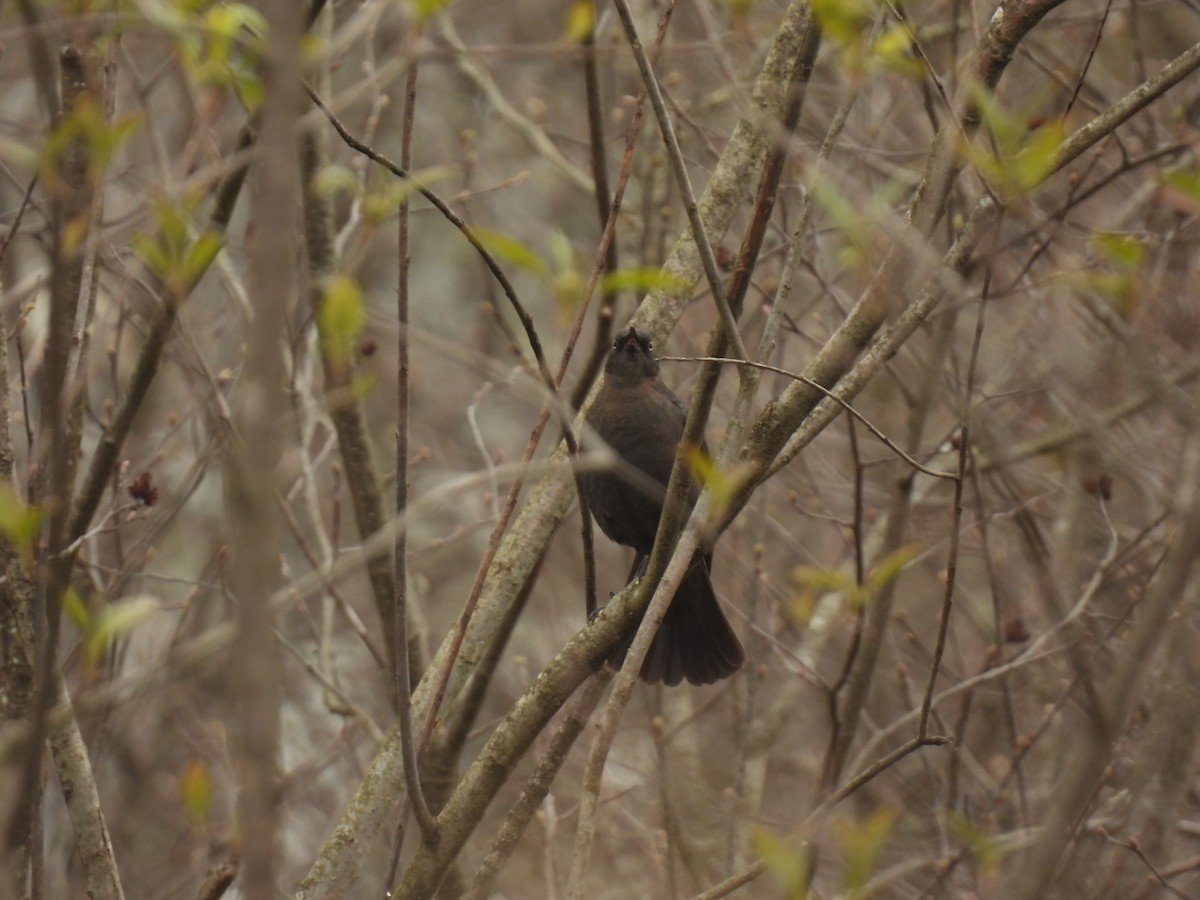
{"type": "Point", "coordinates": [695, 641]}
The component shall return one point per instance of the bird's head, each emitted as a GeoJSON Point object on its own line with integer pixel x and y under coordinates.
{"type": "Point", "coordinates": [630, 358]}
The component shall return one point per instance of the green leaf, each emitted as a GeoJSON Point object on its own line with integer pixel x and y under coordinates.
{"type": "Point", "coordinates": [812, 583]}
{"type": "Point", "coordinates": [510, 250]}
{"type": "Point", "coordinates": [722, 483]}
{"type": "Point", "coordinates": [786, 863]}
{"type": "Point", "coordinates": [201, 255]}
{"type": "Point", "coordinates": [362, 384]}
{"type": "Point", "coordinates": [18, 523]}
{"type": "Point", "coordinates": [249, 89]}
{"type": "Point", "coordinates": [862, 842]}
{"type": "Point", "coordinates": [195, 788]}
{"type": "Point", "coordinates": [228, 20]}
{"type": "Point", "coordinates": [76, 609]}
{"type": "Point", "coordinates": [424, 9]}
{"type": "Point", "coordinates": [171, 253]}
{"type": "Point", "coordinates": [844, 20]}
{"type": "Point", "coordinates": [1004, 128]}
{"type": "Point", "coordinates": [1182, 181]}
{"type": "Point", "coordinates": [312, 48]}
{"type": "Point", "coordinates": [340, 320]}
{"type": "Point", "coordinates": [150, 252]}
{"type": "Point", "coordinates": [1037, 159]}
{"type": "Point", "coordinates": [85, 129]}
{"type": "Point", "coordinates": [581, 21]}
{"type": "Point", "coordinates": [703, 466]}
{"type": "Point", "coordinates": [740, 8]}
{"type": "Point", "coordinates": [378, 205]}
{"type": "Point", "coordinates": [218, 44]}
{"type": "Point", "coordinates": [888, 569]}
{"type": "Point", "coordinates": [822, 579]}
{"type": "Point", "coordinates": [172, 228]}
{"type": "Point", "coordinates": [1025, 149]}
{"type": "Point", "coordinates": [1126, 252]}
{"type": "Point", "coordinates": [642, 280]}
{"type": "Point", "coordinates": [332, 180]}
{"type": "Point", "coordinates": [115, 620]}
{"type": "Point", "coordinates": [982, 848]}
{"type": "Point", "coordinates": [893, 51]}
{"type": "Point", "coordinates": [1119, 288]}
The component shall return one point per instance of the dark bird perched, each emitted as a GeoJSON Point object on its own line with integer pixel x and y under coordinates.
{"type": "Point", "coordinates": [638, 416]}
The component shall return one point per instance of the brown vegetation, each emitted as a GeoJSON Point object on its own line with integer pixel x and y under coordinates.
{"type": "Point", "coordinates": [299, 312]}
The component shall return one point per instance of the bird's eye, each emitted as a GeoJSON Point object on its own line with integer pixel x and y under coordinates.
{"type": "Point", "coordinates": [649, 345]}
{"type": "Point", "coordinates": [616, 342]}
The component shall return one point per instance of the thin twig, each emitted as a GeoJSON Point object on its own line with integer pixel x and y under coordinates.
{"type": "Point", "coordinates": [453, 218]}
{"type": "Point", "coordinates": [55, 453]}
{"type": "Point", "coordinates": [551, 383]}
{"type": "Point", "coordinates": [813, 820]}
{"type": "Point", "coordinates": [596, 142]}
{"type": "Point", "coordinates": [622, 690]}
{"type": "Point", "coordinates": [964, 438]}
{"type": "Point", "coordinates": [104, 459]}
{"type": "Point", "coordinates": [206, 646]}
{"type": "Point", "coordinates": [1087, 64]}
{"type": "Point", "coordinates": [679, 167]}
{"type": "Point", "coordinates": [16, 222]}
{"type": "Point", "coordinates": [860, 580]}
{"type": "Point", "coordinates": [403, 696]}
{"type": "Point", "coordinates": [1128, 106]}
{"type": "Point", "coordinates": [1134, 847]}
{"type": "Point", "coordinates": [601, 264]}
{"type": "Point", "coordinates": [888, 442]}
{"type": "Point", "coordinates": [538, 786]}
{"type": "Point", "coordinates": [529, 130]}
{"type": "Point", "coordinates": [342, 856]}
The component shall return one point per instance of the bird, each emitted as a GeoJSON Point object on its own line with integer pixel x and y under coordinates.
{"type": "Point", "coordinates": [640, 418]}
